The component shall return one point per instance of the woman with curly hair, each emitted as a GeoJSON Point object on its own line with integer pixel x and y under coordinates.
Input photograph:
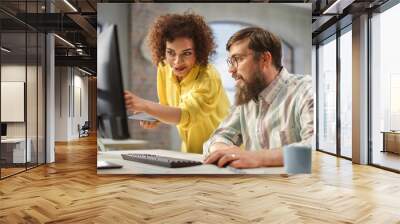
{"type": "Point", "coordinates": [190, 91]}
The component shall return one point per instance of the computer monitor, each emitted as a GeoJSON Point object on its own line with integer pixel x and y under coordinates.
{"type": "Point", "coordinates": [111, 111]}
{"type": "Point", "coordinates": [3, 129]}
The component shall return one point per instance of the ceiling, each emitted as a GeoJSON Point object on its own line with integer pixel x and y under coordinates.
{"type": "Point", "coordinates": [328, 16]}
{"type": "Point", "coordinates": [74, 21]}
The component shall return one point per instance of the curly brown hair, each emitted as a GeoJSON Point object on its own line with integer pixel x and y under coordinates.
{"type": "Point", "coordinates": [171, 26]}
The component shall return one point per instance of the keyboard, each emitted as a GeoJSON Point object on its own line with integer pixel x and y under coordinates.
{"type": "Point", "coordinates": [160, 160]}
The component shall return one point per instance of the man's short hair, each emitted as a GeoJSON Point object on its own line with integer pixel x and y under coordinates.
{"type": "Point", "coordinates": [261, 40]}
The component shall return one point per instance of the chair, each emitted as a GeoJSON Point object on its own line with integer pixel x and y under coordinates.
{"type": "Point", "coordinates": [84, 130]}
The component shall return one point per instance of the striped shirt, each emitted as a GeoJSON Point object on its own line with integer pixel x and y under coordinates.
{"type": "Point", "coordinates": [283, 114]}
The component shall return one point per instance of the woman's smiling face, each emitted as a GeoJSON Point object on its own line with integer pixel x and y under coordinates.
{"type": "Point", "coordinates": [180, 55]}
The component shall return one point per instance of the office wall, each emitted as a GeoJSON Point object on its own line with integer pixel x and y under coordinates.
{"type": "Point", "coordinates": [119, 14]}
{"type": "Point", "coordinates": [122, 15]}
{"type": "Point", "coordinates": [50, 95]}
{"type": "Point", "coordinates": [81, 104]}
{"type": "Point", "coordinates": [291, 22]}
{"type": "Point", "coordinates": [25, 62]}
{"type": "Point", "coordinates": [143, 80]}
{"type": "Point", "coordinates": [92, 98]}
{"type": "Point", "coordinates": [15, 72]}
{"type": "Point", "coordinates": [33, 126]}
{"type": "Point", "coordinates": [61, 103]}
{"type": "Point", "coordinates": [71, 102]}
{"type": "Point", "coordinates": [360, 90]}
{"type": "Point", "coordinates": [314, 80]}
{"type": "Point", "coordinates": [12, 98]}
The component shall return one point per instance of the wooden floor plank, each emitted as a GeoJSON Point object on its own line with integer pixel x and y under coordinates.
{"type": "Point", "coordinates": [70, 191]}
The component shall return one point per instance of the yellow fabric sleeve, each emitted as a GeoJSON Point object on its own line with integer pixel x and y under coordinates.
{"type": "Point", "coordinates": [161, 82]}
{"type": "Point", "coordinates": [199, 102]}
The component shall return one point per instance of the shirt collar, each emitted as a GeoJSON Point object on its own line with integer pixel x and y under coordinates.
{"type": "Point", "coordinates": [269, 93]}
{"type": "Point", "coordinates": [192, 75]}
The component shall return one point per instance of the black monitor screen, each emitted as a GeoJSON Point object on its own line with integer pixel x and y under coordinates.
{"type": "Point", "coordinates": [111, 110]}
{"type": "Point", "coordinates": [3, 129]}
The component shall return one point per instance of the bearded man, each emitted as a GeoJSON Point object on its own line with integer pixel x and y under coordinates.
{"type": "Point", "coordinates": [273, 108]}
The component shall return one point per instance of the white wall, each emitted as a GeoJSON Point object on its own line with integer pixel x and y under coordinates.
{"type": "Point", "coordinates": [33, 126]}
{"type": "Point", "coordinates": [61, 103]}
{"type": "Point", "coordinates": [80, 104]}
{"type": "Point", "coordinates": [119, 14]}
{"type": "Point", "coordinates": [71, 96]}
{"type": "Point", "coordinates": [289, 22]}
{"type": "Point", "coordinates": [16, 73]}
{"type": "Point", "coordinates": [12, 101]}
{"type": "Point", "coordinates": [314, 80]}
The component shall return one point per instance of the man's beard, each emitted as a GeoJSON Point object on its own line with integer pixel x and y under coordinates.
{"type": "Point", "coordinates": [250, 90]}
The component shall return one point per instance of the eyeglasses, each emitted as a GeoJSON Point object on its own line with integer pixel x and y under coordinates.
{"type": "Point", "coordinates": [233, 61]}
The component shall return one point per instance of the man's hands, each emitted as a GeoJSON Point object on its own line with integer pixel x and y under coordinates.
{"type": "Point", "coordinates": [223, 155]}
{"type": "Point", "coordinates": [233, 156]}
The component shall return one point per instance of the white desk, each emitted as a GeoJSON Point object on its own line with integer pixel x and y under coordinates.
{"type": "Point", "coordinates": [130, 167]}
{"type": "Point", "coordinates": [18, 149]}
{"type": "Point", "coordinates": [106, 144]}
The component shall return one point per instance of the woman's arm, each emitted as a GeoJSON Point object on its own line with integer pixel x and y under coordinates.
{"type": "Point", "coordinates": [166, 114]}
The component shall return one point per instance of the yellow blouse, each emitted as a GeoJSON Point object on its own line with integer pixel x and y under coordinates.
{"type": "Point", "coordinates": [201, 98]}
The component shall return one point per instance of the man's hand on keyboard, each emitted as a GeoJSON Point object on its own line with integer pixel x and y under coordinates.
{"type": "Point", "coordinates": [235, 157]}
